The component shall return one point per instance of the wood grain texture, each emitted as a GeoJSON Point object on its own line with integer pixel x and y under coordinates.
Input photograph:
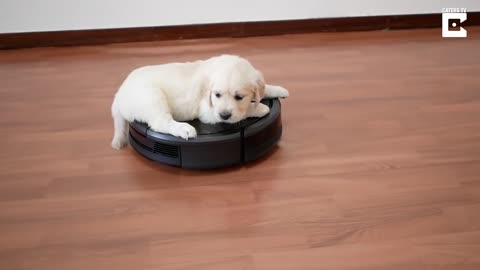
{"type": "Point", "coordinates": [378, 167]}
{"type": "Point", "coordinates": [215, 30]}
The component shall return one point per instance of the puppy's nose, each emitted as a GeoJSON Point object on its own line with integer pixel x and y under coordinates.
{"type": "Point", "coordinates": [225, 115]}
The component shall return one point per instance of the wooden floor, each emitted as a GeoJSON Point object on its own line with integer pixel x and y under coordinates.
{"type": "Point", "coordinates": [378, 167]}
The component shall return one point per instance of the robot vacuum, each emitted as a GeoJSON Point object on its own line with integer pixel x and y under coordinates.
{"type": "Point", "coordinates": [216, 146]}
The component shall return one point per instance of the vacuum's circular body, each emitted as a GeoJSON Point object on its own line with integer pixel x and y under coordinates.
{"type": "Point", "coordinates": [216, 146]}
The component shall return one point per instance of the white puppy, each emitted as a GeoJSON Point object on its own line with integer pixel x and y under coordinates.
{"type": "Point", "coordinates": [224, 88]}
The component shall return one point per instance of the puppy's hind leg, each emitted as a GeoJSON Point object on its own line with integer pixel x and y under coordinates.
{"type": "Point", "coordinates": [160, 119]}
{"type": "Point", "coordinates": [274, 91]}
{"type": "Point", "coordinates": [166, 124]}
{"type": "Point", "coordinates": [120, 136]}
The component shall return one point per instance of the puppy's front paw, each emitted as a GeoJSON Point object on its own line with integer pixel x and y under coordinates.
{"type": "Point", "coordinates": [184, 130]}
{"type": "Point", "coordinates": [275, 91]}
{"type": "Point", "coordinates": [282, 92]}
{"type": "Point", "coordinates": [260, 111]}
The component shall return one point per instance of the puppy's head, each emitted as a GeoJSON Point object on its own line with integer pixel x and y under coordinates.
{"type": "Point", "coordinates": [235, 85]}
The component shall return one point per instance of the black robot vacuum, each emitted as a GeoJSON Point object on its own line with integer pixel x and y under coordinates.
{"type": "Point", "coordinates": [216, 146]}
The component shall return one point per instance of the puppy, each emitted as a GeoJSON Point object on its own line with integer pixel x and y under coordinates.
{"type": "Point", "coordinates": [224, 88]}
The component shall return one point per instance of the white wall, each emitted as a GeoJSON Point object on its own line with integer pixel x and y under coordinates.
{"type": "Point", "coordinates": [51, 15]}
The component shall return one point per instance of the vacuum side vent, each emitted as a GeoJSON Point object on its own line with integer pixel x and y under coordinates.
{"type": "Point", "coordinates": [140, 143]}
{"type": "Point", "coordinates": [165, 149]}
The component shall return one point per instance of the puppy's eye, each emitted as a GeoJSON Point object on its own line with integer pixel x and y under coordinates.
{"type": "Point", "coordinates": [218, 95]}
{"type": "Point", "coordinates": [237, 97]}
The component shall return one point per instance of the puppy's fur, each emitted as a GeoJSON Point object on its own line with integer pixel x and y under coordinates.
{"type": "Point", "coordinates": [224, 88]}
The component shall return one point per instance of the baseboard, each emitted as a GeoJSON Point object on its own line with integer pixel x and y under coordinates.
{"type": "Point", "coordinates": [238, 29]}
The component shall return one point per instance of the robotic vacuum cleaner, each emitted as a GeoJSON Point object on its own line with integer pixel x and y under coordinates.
{"type": "Point", "coordinates": [216, 146]}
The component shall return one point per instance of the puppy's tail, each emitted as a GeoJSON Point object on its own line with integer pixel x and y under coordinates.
{"type": "Point", "coordinates": [120, 135]}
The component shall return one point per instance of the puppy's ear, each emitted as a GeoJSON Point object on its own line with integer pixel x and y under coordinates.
{"type": "Point", "coordinates": [259, 88]}
{"type": "Point", "coordinates": [206, 89]}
